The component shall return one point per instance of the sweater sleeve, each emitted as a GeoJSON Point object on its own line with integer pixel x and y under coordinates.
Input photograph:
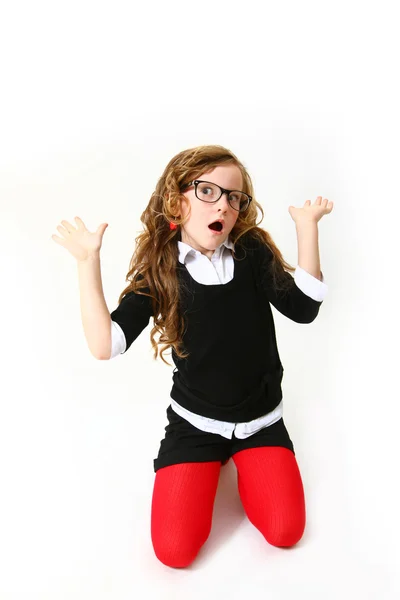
{"type": "Point", "coordinates": [292, 302]}
{"type": "Point", "coordinates": [132, 315]}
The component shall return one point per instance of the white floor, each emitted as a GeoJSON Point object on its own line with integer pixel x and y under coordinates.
{"type": "Point", "coordinates": [76, 524]}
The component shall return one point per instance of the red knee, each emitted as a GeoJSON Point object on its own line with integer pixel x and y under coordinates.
{"type": "Point", "coordinates": [178, 554]}
{"type": "Point", "coordinates": [286, 534]}
{"type": "Point", "coordinates": [182, 507]}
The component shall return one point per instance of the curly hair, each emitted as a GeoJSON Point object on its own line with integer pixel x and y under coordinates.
{"type": "Point", "coordinates": [152, 269]}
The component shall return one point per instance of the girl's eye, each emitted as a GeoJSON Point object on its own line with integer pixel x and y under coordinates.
{"type": "Point", "coordinates": [206, 190]}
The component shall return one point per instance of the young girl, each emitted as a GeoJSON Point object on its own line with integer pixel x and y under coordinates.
{"type": "Point", "coordinates": [207, 274]}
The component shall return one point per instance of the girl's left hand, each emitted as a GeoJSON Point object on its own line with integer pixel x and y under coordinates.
{"type": "Point", "coordinates": [311, 212]}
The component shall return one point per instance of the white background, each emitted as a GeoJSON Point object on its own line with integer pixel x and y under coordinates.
{"type": "Point", "coordinates": [96, 98]}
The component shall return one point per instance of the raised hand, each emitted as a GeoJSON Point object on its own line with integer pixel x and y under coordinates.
{"type": "Point", "coordinates": [311, 212]}
{"type": "Point", "coordinates": [79, 241]}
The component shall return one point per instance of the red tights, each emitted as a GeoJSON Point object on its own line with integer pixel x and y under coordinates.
{"type": "Point", "coordinates": [270, 488]}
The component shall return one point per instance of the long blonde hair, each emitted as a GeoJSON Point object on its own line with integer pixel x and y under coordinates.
{"type": "Point", "coordinates": [153, 265]}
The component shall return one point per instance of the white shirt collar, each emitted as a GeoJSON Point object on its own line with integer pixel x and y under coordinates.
{"type": "Point", "coordinates": [185, 249]}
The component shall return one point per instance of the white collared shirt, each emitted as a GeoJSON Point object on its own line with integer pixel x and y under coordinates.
{"type": "Point", "coordinates": [219, 270]}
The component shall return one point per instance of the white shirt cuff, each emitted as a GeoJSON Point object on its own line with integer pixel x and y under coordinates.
{"type": "Point", "coordinates": [310, 285]}
{"type": "Point", "coordinates": [118, 342]}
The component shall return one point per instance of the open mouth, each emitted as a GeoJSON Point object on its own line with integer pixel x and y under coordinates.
{"type": "Point", "coordinates": [216, 226]}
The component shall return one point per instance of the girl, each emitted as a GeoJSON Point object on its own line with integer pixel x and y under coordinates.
{"type": "Point", "coordinates": [207, 273]}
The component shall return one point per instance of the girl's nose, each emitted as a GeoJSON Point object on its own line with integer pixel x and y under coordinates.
{"type": "Point", "coordinates": [223, 201]}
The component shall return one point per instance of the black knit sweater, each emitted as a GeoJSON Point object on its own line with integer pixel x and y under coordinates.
{"type": "Point", "coordinates": [233, 372]}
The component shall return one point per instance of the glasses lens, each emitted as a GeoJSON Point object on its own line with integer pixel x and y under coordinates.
{"type": "Point", "coordinates": [208, 192]}
{"type": "Point", "coordinates": [238, 200]}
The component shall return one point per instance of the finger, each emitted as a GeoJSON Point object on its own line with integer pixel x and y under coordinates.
{"type": "Point", "coordinates": [68, 226]}
{"type": "Point", "coordinates": [101, 228]}
{"type": "Point", "coordinates": [57, 239]}
{"type": "Point", "coordinates": [63, 231]}
{"type": "Point", "coordinates": [81, 224]}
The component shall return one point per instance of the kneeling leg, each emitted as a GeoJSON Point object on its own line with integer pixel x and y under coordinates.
{"type": "Point", "coordinates": [181, 513]}
{"type": "Point", "coordinates": [272, 494]}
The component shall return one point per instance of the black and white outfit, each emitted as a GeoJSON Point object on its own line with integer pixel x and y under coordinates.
{"type": "Point", "coordinates": [226, 396]}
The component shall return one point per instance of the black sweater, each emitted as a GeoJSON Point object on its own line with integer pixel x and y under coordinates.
{"type": "Point", "coordinates": [234, 371]}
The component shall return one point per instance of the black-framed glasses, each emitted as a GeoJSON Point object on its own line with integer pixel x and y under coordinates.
{"type": "Point", "coordinates": [206, 191]}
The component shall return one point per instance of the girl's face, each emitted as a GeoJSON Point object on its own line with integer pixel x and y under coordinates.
{"type": "Point", "coordinates": [196, 231]}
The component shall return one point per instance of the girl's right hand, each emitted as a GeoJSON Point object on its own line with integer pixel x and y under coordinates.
{"type": "Point", "coordinates": [80, 242]}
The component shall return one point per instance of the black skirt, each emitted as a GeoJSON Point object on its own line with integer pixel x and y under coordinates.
{"type": "Point", "coordinates": [183, 442]}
